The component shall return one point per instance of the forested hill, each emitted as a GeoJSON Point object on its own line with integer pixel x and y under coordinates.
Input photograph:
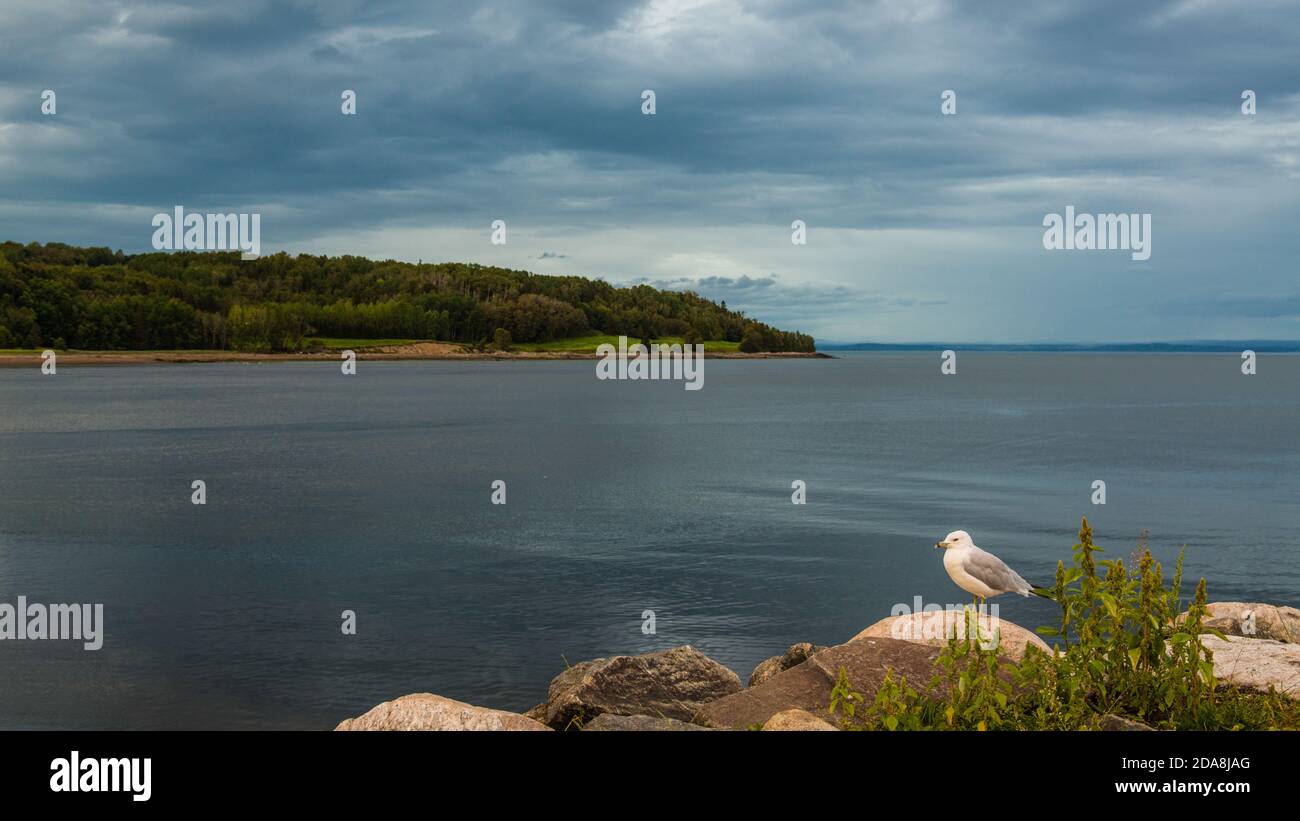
{"type": "Point", "coordinates": [61, 296]}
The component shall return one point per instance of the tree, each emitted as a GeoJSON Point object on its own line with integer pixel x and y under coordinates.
{"type": "Point", "coordinates": [99, 299]}
{"type": "Point", "coordinates": [501, 339]}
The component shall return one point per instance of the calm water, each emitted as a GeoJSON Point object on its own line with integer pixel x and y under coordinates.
{"type": "Point", "coordinates": [371, 493]}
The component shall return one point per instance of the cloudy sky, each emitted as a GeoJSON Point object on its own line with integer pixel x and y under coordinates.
{"type": "Point", "coordinates": [920, 226]}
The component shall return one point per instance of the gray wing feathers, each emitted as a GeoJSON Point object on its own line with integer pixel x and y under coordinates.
{"type": "Point", "coordinates": [994, 572]}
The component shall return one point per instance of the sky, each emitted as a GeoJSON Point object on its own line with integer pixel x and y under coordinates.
{"type": "Point", "coordinates": [921, 226]}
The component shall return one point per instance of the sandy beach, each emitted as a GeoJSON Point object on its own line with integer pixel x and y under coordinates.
{"type": "Point", "coordinates": [415, 351]}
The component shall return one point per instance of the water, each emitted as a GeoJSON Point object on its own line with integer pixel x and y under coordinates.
{"type": "Point", "coordinates": [371, 493]}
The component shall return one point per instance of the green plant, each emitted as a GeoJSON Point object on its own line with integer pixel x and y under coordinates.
{"type": "Point", "coordinates": [972, 676]}
{"type": "Point", "coordinates": [896, 706]}
{"type": "Point", "coordinates": [844, 699]}
{"type": "Point", "coordinates": [1123, 647]}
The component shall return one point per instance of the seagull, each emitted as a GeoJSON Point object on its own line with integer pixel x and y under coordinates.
{"type": "Point", "coordinates": [979, 572]}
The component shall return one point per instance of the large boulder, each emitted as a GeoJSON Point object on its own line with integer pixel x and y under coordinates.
{"type": "Point", "coordinates": [1114, 723]}
{"type": "Point", "coordinates": [797, 654]}
{"type": "Point", "coordinates": [808, 686]}
{"type": "Point", "coordinates": [669, 683]}
{"type": "Point", "coordinates": [1253, 620]}
{"type": "Point", "coordinates": [935, 627]}
{"type": "Point", "coordinates": [608, 722]}
{"type": "Point", "coordinates": [797, 720]}
{"type": "Point", "coordinates": [425, 711]}
{"type": "Point", "coordinates": [1256, 664]}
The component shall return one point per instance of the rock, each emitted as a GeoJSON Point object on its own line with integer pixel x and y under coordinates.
{"type": "Point", "coordinates": [1115, 723]}
{"type": "Point", "coordinates": [1269, 621]}
{"type": "Point", "coordinates": [933, 628]}
{"type": "Point", "coordinates": [537, 713]}
{"type": "Point", "coordinates": [609, 722]}
{"type": "Point", "coordinates": [425, 711]}
{"type": "Point", "coordinates": [669, 683]}
{"type": "Point", "coordinates": [808, 686]}
{"type": "Point", "coordinates": [1255, 664]}
{"type": "Point", "coordinates": [797, 654]}
{"type": "Point", "coordinates": [797, 720]}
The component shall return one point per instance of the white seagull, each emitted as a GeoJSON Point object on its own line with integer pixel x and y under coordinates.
{"type": "Point", "coordinates": [979, 572]}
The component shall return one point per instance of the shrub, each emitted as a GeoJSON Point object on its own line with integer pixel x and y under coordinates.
{"type": "Point", "coordinates": [1123, 648]}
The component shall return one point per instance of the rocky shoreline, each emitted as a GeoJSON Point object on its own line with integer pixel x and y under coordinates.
{"type": "Point", "coordinates": [681, 689]}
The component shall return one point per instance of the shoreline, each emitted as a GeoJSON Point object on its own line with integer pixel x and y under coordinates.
{"type": "Point", "coordinates": [420, 351]}
{"type": "Point", "coordinates": [1254, 648]}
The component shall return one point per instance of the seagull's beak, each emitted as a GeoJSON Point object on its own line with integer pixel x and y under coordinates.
{"type": "Point", "coordinates": [940, 544]}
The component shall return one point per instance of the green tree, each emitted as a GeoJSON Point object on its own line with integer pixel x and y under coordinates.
{"type": "Point", "coordinates": [97, 298]}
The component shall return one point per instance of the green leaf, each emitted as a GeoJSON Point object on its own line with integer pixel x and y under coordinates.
{"type": "Point", "coordinates": [1111, 605]}
{"type": "Point", "coordinates": [1047, 631]}
{"type": "Point", "coordinates": [1133, 656]}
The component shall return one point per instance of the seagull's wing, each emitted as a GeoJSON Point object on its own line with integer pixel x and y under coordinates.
{"type": "Point", "coordinates": [994, 572]}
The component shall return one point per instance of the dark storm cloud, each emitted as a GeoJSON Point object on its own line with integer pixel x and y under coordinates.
{"type": "Point", "coordinates": [767, 111]}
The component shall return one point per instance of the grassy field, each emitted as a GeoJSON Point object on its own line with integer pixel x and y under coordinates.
{"type": "Point", "coordinates": [589, 343]}
{"type": "Point", "coordinates": [38, 351]}
{"type": "Point", "coordinates": [331, 342]}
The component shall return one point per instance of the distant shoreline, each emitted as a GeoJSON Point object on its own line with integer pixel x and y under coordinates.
{"type": "Point", "coordinates": [1188, 346]}
{"type": "Point", "coordinates": [384, 353]}
{"type": "Point", "coordinates": [442, 351]}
